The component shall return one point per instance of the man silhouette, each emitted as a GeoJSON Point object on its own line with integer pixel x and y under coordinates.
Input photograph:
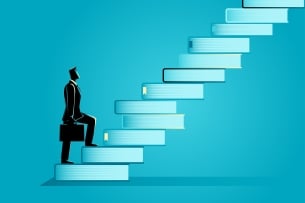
{"type": "Point", "coordinates": [73, 115]}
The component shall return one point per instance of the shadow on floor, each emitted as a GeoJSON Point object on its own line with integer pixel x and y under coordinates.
{"type": "Point", "coordinates": [171, 181]}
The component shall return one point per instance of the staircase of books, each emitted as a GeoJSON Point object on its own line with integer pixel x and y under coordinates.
{"type": "Point", "coordinates": [145, 122]}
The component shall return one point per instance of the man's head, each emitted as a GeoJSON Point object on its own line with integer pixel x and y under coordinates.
{"type": "Point", "coordinates": [74, 74]}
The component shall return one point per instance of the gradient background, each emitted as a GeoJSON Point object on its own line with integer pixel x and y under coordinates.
{"type": "Point", "coordinates": [251, 126]}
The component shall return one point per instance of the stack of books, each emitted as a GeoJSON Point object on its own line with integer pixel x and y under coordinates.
{"type": "Point", "coordinates": [145, 122]}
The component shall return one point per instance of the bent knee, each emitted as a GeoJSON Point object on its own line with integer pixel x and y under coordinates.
{"type": "Point", "coordinates": [93, 119]}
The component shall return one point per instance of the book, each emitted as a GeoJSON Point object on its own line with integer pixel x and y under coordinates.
{"type": "Point", "coordinates": [273, 3]}
{"type": "Point", "coordinates": [210, 61]}
{"type": "Point", "coordinates": [112, 154]}
{"type": "Point", "coordinates": [83, 172]}
{"type": "Point", "coordinates": [134, 137]}
{"type": "Point", "coordinates": [154, 121]}
{"type": "Point", "coordinates": [172, 91]}
{"type": "Point", "coordinates": [193, 75]}
{"type": "Point", "coordinates": [138, 107]}
{"type": "Point", "coordinates": [242, 29]}
{"type": "Point", "coordinates": [219, 45]}
{"type": "Point", "coordinates": [256, 15]}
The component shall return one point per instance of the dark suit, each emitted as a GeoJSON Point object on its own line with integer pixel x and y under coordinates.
{"type": "Point", "coordinates": [72, 114]}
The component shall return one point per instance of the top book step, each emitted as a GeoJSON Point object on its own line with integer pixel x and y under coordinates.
{"type": "Point", "coordinates": [273, 3]}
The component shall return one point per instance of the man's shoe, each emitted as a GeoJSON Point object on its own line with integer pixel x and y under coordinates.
{"type": "Point", "coordinates": [91, 145]}
{"type": "Point", "coordinates": [67, 162]}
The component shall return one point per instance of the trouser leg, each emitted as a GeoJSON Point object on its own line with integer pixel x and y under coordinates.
{"type": "Point", "coordinates": [90, 121]}
{"type": "Point", "coordinates": [65, 150]}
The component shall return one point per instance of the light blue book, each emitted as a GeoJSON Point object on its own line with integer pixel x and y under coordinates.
{"type": "Point", "coordinates": [273, 3]}
{"type": "Point", "coordinates": [219, 45]}
{"type": "Point", "coordinates": [112, 155]}
{"type": "Point", "coordinates": [154, 121]}
{"type": "Point", "coordinates": [172, 91]}
{"type": "Point", "coordinates": [210, 61]}
{"type": "Point", "coordinates": [133, 137]}
{"type": "Point", "coordinates": [67, 172]}
{"type": "Point", "coordinates": [138, 107]}
{"type": "Point", "coordinates": [256, 15]}
{"type": "Point", "coordinates": [243, 29]}
{"type": "Point", "coordinates": [193, 75]}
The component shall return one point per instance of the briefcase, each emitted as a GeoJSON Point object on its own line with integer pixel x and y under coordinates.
{"type": "Point", "coordinates": [71, 132]}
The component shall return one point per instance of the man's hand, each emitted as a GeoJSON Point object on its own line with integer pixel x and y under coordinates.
{"type": "Point", "coordinates": [70, 121]}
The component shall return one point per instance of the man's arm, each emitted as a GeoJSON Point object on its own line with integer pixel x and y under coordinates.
{"type": "Point", "coordinates": [70, 94]}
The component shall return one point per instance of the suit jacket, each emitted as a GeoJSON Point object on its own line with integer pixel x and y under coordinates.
{"type": "Point", "coordinates": [72, 99]}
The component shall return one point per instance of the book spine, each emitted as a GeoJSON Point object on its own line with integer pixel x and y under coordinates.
{"type": "Point", "coordinates": [139, 107]}
{"type": "Point", "coordinates": [154, 121]}
{"type": "Point", "coordinates": [243, 29]}
{"type": "Point", "coordinates": [172, 91]}
{"type": "Point", "coordinates": [219, 45]}
{"type": "Point", "coordinates": [210, 61]}
{"type": "Point", "coordinates": [193, 75]}
{"type": "Point", "coordinates": [273, 3]}
{"type": "Point", "coordinates": [240, 15]}
{"type": "Point", "coordinates": [112, 155]}
{"type": "Point", "coordinates": [134, 137]}
{"type": "Point", "coordinates": [91, 172]}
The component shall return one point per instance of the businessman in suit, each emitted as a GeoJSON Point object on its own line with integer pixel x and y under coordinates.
{"type": "Point", "coordinates": [72, 114]}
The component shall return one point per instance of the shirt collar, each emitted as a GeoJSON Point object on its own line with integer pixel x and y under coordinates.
{"type": "Point", "coordinates": [73, 82]}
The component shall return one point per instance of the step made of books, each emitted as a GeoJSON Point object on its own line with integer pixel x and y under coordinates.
{"type": "Point", "coordinates": [273, 3]}
{"type": "Point", "coordinates": [67, 172]}
{"type": "Point", "coordinates": [102, 155]}
{"type": "Point", "coordinates": [242, 29]}
{"type": "Point", "coordinates": [219, 45]}
{"type": "Point", "coordinates": [134, 137]}
{"type": "Point", "coordinates": [145, 107]}
{"type": "Point", "coordinates": [193, 75]}
{"type": "Point", "coordinates": [210, 61]}
{"type": "Point", "coordinates": [154, 121]}
{"type": "Point", "coordinates": [172, 91]}
{"type": "Point", "coordinates": [256, 15]}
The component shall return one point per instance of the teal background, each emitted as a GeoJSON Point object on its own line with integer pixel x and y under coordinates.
{"type": "Point", "coordinates": [251, 126]}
